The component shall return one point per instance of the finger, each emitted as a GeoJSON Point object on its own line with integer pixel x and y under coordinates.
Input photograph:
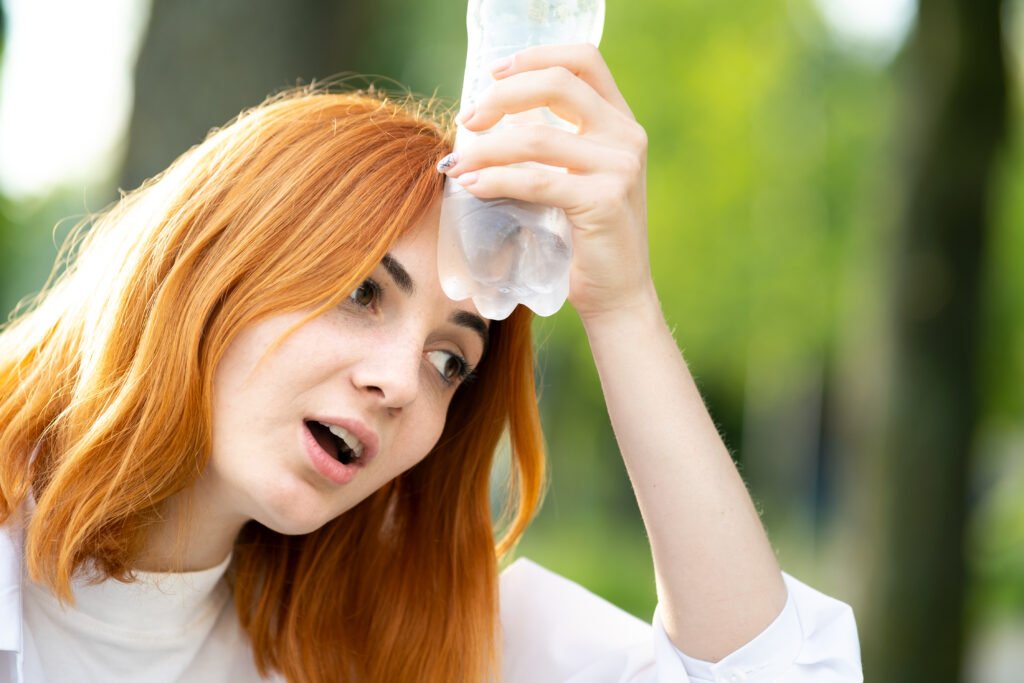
{"type": "Point", "coordinates": [555, 87]}
{"type": "Point", "coordinates": [540, 143]}
{"type": "Point", "coordinates": [535, 185]}
{"type": "Point", "coordinates": [583, 60]}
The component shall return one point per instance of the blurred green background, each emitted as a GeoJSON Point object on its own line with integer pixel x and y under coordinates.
{"type": "Point", "coordinates": [836, 199]}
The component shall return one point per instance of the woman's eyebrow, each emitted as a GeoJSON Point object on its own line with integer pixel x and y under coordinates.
{"type": "Point", "coordinates": [473, 322]}
{"type": "Point", "coordinates": [404, 281]}
{"type": "Point", "coordinates": [399, 274]}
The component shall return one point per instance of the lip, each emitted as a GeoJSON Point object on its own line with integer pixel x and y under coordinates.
{"type": "Point", "coordinates": [327, 466]}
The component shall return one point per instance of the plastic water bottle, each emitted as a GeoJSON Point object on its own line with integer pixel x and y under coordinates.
{"type": "Point", "coordinates": [503, 252]}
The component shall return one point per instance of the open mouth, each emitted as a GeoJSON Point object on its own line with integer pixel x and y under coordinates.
{"type": "Point", "coordinates": [337, 442]}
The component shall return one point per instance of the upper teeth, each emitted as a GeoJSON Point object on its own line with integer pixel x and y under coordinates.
{"type": "Point", "coordinates": [348, 437]}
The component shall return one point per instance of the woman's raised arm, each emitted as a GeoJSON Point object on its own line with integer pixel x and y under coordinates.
{"type": "Point", "coordinates": [718, 581]}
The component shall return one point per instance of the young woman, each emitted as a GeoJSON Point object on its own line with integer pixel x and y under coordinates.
{"type": "Point", "coordinates": [246, 435]}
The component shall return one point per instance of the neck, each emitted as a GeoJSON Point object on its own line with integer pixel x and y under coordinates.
{"type": "Point", "coordinates": [189, 536]}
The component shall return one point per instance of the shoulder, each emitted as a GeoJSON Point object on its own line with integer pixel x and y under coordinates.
{"type": "Point", "coordinates": [529, 593]}
{"type": "Point", "coordinates": [553, 628]}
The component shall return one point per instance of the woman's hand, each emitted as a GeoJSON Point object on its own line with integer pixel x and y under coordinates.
{"type": "Point", "coordinates": [603, 193]}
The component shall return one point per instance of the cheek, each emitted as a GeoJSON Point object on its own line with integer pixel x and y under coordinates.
{"type": "Point", "coordinates": [420, 438]}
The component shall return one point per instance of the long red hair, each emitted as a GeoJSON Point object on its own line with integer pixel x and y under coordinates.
{"type": "Point", "coordinates": [110, 371]}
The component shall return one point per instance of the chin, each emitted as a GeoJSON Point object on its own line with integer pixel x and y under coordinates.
{"type": "Point", "coordinates": [294, 510]}
{"type": "Point", "coordinates": [294, 522]}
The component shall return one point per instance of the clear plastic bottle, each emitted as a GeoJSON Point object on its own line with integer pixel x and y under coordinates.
{"type": "Point", "coordinates": [503, 252]}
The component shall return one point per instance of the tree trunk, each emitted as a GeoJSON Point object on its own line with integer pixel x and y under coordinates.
{"type": "Point", "coordinates": [202, 63]}
{"type": "Point", "coordinates": [956, 111]}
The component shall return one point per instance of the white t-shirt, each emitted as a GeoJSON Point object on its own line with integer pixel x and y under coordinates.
{"type": "Point", "coordinates": [161, 628]}
{"type": "Point", "coordinates": [183, 627]}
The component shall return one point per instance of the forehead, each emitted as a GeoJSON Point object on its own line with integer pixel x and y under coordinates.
{"type": "Point", "coordinates": [416, 252]}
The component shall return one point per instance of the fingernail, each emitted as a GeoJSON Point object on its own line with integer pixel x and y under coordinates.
{"type": "Point", "coordinates": [466, 179]}
{"type": "Point", "coordinates": [466, 114]}
{"type": "Point", "coordinates": [447, 163]}
{"type": "Point", "coordinates": [499, 65]}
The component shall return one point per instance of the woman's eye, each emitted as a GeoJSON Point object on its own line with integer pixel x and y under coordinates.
{"type": "Point", "coordinates": [365, 294]}
{"type": "Point", "coordinates": [451, 367]}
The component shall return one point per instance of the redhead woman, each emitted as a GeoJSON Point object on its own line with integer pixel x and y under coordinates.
{"type": "Point", "coordinates": [246, 436]}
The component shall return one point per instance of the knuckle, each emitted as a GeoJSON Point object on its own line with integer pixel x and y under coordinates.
{"type": "Point", "coordinates": [560, 77]}
{"type": "Point", "coordinates": [630, 164]}
{"type": "Point", "coordinates": [639, 138]}
{"type": "Point", "coordinates": [538, 184]}
{"type": "Point", "coordinates": [534, 140]}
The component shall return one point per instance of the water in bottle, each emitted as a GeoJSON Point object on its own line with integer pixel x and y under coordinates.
{"type": "Point", "coordinates": [503, 252]}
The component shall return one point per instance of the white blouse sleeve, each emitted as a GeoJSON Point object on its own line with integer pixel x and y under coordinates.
{"type": "Point", "coordinates": [555, 631]}
{"type": "Point", "coordinates": [814, 638]}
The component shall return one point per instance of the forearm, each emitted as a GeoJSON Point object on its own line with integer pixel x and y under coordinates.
{"type": "Point", "coordinates": [718, 581]}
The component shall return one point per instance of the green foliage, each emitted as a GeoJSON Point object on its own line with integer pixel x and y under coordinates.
{"type": "Point", "coordinates": [997, 557]}
{"type": "Point", "coordinates": [997, 552]}
{"type": "Point", "coordinates": [1003, 354]}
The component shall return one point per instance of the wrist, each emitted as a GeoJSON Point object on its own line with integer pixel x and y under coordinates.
{"type": "Point", "coordinates": [638, 311]}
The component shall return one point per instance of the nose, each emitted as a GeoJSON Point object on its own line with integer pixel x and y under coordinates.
{"type": "Point", "coordinates": [390, 374]}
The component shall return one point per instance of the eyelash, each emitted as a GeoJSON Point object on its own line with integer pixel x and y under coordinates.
{"type": "Point", "coordinates": [466, 372]}
{"type": "Point", "coordinates": [375, 290]}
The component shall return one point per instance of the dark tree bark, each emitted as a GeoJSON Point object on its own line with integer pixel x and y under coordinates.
{"type": "Point", "coordinates": [203, 62]}
{"type": "Point", "coordinates": [956, 112]}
